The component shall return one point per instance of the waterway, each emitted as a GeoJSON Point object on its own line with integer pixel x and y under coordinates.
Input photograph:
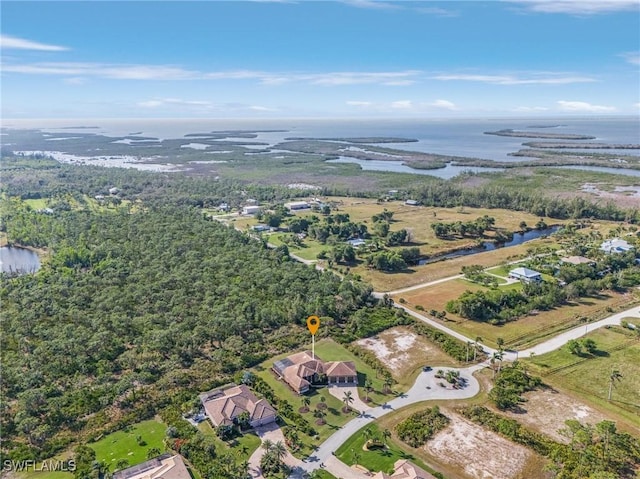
{"type": "Point", "coordinates": [518, 238]}
{"type": "Point", "coordinates": [18, 260]}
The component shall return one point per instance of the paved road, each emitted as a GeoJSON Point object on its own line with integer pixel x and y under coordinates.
{"type": "Point", "coordinates": [425, 388]}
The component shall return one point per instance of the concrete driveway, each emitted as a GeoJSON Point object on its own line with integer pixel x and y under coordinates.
{"type": "Point", "coordinates": [339, 390]}
{"type": "Point", "coordinates": [273, 433]}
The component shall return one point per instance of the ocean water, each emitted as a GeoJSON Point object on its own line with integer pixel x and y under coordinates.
{"type": "Point", "coordinates": [455, 137]}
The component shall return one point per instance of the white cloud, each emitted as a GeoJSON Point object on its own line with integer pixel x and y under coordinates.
{"type": "Point", "coordinates": [160, 102]}
{"type": "Point", "coordinates": [637, 105]}
{"type": "Point", "coordinates": [631, 57]}
{"type": "Point", "coordinates": [402, 105]}
{"type": "Point", "coordinates": [581, 106]}
{"type": "Point", "coordinates": [358, 103]}
{"type": "Point", "coordinates": [437, 11]}
{"type": "Point", "coordinates": [444, 105]}
{"type": "Point", "coordinates": [261, 108]}
{"type": "Point", "coordinates": [170, 72]}
{"type": "Point", "coordinates": [75, 81]}
{"type": "Point", "coordinates": [578, 7]}
{"type": "Point", "coordinates": [372, 4]}
{"type": "Point", "coordinates": [529, 109]}
{"type": "Point", "coordinates": [8, 42]}
{"type": "Point", "coordinates": [532, 79]}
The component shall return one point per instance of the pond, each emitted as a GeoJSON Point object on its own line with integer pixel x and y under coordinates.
{"type": "Point", "coordinates": [518, 238]}
{"type": "Point", "coordinates": [16, 261]}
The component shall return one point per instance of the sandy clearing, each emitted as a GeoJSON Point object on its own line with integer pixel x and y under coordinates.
{"type": "Point", "coordinates": [548, 409]}
{"type": "Point", "coordinates": [476, 451]}
{"type": "Point", "coordinates": [397, 348]}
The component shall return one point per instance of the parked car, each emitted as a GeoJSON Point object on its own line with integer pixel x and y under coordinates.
{"type": "Point", "coordinates": [427, 368]}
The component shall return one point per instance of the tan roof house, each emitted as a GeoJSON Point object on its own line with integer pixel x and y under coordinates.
{"type": "Point", "coordinates": [300, 370]}
{"type": "Point", "coordinates": [222, 406]}
{"type": "Point", "coordinates": [166, 466]}
{"type": "Point", "coordinates": [403, 469]}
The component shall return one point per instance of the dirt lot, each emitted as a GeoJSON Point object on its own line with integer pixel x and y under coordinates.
{"type": "Point", "coordinates": [480, 453]}
{"type": "Point", "coordinates": [404, 352]}
{"type": "Point", "coordinates": [548, 409]}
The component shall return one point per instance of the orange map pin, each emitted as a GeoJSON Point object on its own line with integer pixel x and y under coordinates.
{"type": "Point", "coordinates": [313, 323]}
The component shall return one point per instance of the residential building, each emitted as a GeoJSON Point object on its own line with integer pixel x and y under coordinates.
{"type": "Point", "coordinates": [525, 274]}
{"type": "Point", "coordinates": [615, 245]}
{"type": "Point", "coordinates": [250, 210]}
{"type": "Point", "coordinates": [166, 466]}
{"type": "Point", "coordinates": [404, 469]}
{"type": "Point", "coordinates": [260, 227]}
{"type": "Point", "coordinates": [297, 205]}
{"type": "Point", "coordinates": [301, 370]}
{"type": "Point", "coordinates": [356, 242]}
{"type": "Point", "coordinates": [222, 406]}
{"type": "Point", "coordinates": [411, 203]}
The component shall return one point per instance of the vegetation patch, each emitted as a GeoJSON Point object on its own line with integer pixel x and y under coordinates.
{"type": "Point", "coordinates": [418, 428]}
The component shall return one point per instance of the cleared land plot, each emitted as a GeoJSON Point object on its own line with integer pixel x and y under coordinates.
{"type": "Point", "coordinates": [479, 453]}
{"type": "Point", "coordinates": [548, 409]}
{"type": "Point", "coordinates": [589, 378]}
{"type": "Point", "coordinates": [404, 353]}
{"type": "Point", "coordinates": [525, 331]}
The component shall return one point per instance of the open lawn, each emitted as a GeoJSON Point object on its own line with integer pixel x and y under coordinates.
{"type": "Point", "coordinates": [525, 331]}
{"type": "Point", "coordinates": [588, 377]}
{"type": "Point", "coordinates": [308, 250]}
{"type": "Point", "coordinates": [242, 446]}
{"type": "Point", "coordinates": [352, 451]}
{"type": "Point", "coordinates": [37, 203]}
{"type": "Point", "coordinates": [124, 445]}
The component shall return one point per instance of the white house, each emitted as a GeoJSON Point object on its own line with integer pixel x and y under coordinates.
{"type": "Point", "coordinates": [525, 274]}
{"type": "Point", "coordinates": [260, 227]}
{"type": "Point", "coordinates": [411, 203]}
{"type": "Point", "coordinates": [297, 205]}
{"type": "Point", "coordinates": [250, 210]}
{"type": "Point", "coordinates": [114, 191]}
{"type": "Point", "coordinates": [356, 242]}
{"type": "Point", "coordinates": [615, 245]}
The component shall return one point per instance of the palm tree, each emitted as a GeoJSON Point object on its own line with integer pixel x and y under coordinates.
{"type": "Point", "coordinates": [305, 403]}
{"type": "Point", "coordinates": [368, 387]}
{"type": "Point", "coordinates": [497, 356]}
{"type": "Point", "coordinates": [613, 377]}
{"type": "Point", "coordinates": [356, 458]}
{"type": "Point", "coordinates": [475, 349]}
{"type": "Point", "coordinates": [388, 381]}
{"type": "Point", "coordinates": [386, 434]}
{"type": "Point", "coordinates": [322, 404]}
{"type": "Point", "coordinates": [367, 434]}
{"type": "Point", "coordinates": [320, 414]}
{"type": "Point", "coordinates": [347, 399]}
{"type": "Point", "coordinates": [267, 444]}
{"type": "Point", "coordinates": [500, 343]}
{"type": "Point", "coordinates": [279, 450]}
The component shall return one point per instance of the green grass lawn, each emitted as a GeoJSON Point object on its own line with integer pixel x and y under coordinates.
{"type": "Point", "coordinates": [377, 459]}
{"type": "Point", "coordinates": [242, 446]}
{"type": "Point", "coordinates": [123, 445]}
{"type": "Point", "coordinates": [309, 250]}
{"type": "Point", "coordinates": [37, 203]}
{"type": "Point", "coordinates": [589, 378]}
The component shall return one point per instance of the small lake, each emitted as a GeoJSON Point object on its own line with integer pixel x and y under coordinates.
{"type": "Point", "coordinates": [445, 173]}
{"type": "Point", "coordinates": [18, 260]}
{"type": "Point", "coordinates": [518, 238]}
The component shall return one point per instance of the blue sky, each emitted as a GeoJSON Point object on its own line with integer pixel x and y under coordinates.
{"type": "Point", "coordinates": [342, 59]}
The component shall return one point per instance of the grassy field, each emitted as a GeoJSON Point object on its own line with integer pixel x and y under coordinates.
{"type": "Point", "coordinates": [523, 332]}
{"type": "Point", "coordinates": [374, 460]}
{"type": "Point", "coordinates": [309, 249]}
{"type": "Point", "coordinates": [588, 378]}
{"type": "Point", "coordinates": [242, 447]}
{"type": "Point", "coordinates": [123, 444]}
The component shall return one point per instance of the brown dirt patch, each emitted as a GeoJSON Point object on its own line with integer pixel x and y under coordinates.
{"type": "Point", "coordinates": [402, 351]}
{"type": "Point", "coordinates": [479, 453]}
{"type": "Point", "coordinates": [548, 409]}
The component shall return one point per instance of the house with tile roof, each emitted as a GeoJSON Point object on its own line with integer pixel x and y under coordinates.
{"type": "Point", "coordinates": [166, 466]}
{"type": "Point", "coordinates": [301, 370]}
{"type": "Point", "coordinates": [223, 406]}
{"type": "Point", "coordinates": [404, 469]}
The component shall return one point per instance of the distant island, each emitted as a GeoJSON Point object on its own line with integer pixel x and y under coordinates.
{"type": "Point", "coordinates": [537, 134]}
{"type": "Point", "coordinates": [366, 139]}
{"type": "Point", "coordinates": [586, 146]}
